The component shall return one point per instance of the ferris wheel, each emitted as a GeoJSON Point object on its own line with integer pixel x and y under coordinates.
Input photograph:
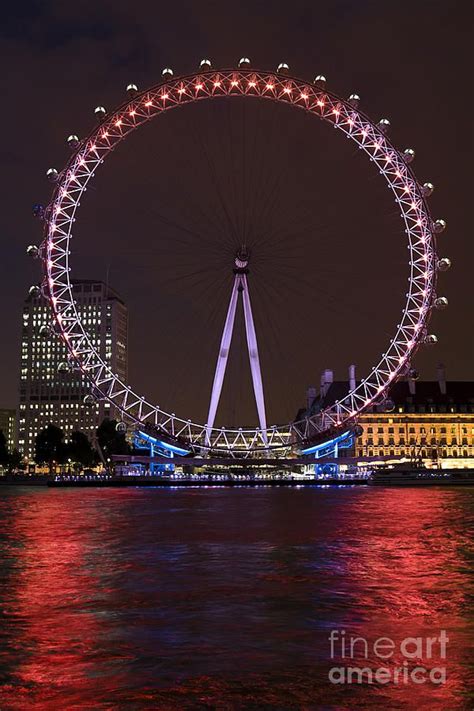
{"type": "Point", "coordinates": [394, 166]}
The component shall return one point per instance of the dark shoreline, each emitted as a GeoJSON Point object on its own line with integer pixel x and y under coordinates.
{"type": "Point", "coordinates": [118, 482]}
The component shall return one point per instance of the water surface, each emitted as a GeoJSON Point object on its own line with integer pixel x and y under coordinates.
{"type": "Point", "coordinates": [218, 598]}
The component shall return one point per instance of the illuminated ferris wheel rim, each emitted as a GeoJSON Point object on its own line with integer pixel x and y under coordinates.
{"type": "Point", "coordinates": [278, 86]}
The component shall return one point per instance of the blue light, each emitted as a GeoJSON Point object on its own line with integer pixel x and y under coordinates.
{"type": "Point", "coordinates": [163, 445]}
{"type": "Point", "coordinates": [326, 445]}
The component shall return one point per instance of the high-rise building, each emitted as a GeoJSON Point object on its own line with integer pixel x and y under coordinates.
{"type": "Point", "coordinates": [8, 427]}
{"type": "Point", "coordinates": [49, 396]}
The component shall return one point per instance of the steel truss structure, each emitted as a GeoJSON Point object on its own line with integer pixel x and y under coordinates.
{"type": "Point", "coordinates": [313, 98]}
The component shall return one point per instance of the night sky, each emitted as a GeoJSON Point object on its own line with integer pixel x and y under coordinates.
{"type": "Point", "coordinates": [170, 207]}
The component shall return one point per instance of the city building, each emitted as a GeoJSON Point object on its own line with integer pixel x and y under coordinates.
{"type": "Point", "coordinates": [49, 396]}
{"type": "Point", "coordinates": [429, 421]}
{"type": "Point", "coordinates": [8, 427]}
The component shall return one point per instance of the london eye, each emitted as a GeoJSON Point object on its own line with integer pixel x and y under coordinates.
{"type": "Point", "coordinates": [395, 168]}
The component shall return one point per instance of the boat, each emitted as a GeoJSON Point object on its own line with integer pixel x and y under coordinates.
{"type": "Point", "coordinates": [409, 475]}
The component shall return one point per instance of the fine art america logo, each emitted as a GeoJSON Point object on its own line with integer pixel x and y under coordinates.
{"type": "Point", "coordinates": [407, 661]}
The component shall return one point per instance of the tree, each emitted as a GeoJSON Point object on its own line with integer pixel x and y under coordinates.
{"type": "Point", "coordinates": [3, 450]}
{"type": "Point", "coordinates": [15, 460]}
{"type": "Point", "coordinates": [110, 441]}
{"type": "Point", "coordinates": [80, 450]}
{"type": "Point", "coordinates": [50, 447]}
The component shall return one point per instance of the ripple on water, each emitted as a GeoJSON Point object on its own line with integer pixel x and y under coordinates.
{"type": "Point", "coordinates": [140, 598]}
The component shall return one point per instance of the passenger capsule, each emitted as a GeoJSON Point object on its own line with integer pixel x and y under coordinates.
{"type": "Point", "coordinates": [427, 189]}
{"type": "Point", "coordinates": [408, 155]}
{"type": "Point", "coordinates": [244, 62]}
{"type": "Point", "coordinates": [73, 141]}
{"type": "Point", "coordinates": [167, 73]}
{"type": "Point", "coordinates": [388, 405]}
{"type": "Point", "coordinates": [441, 303]}
{"type": "Point", "coordinates": [283, 68]}
{"type": "Point", "coordinates": [100, 112]}
{"type": "Point", "coordinates": [52, 174]}
{"type": "Point", "coordinates": [132, 89]}
{"type": "Point", "coordinates": [439, 226]}
{"type": "Point", "coordinates": [38, 211]}
{"type": "Point", "coordinates": [354, 100]}
{"type": "Point", "coordinates": [320, 80]}
{"type": "Point", "coordinates": [444, 264]}
{"type": "Point", "coordinates": [45, 331]}
{"type": "Point", "coordinates": [121, 427]}
{"type": "Point", "coordinates": [431, 339]}
{"type": "Point", "coordinates": [358, 431]}
{"type": "Point", "coordinates": [34, 290]}
{"type": "Point", "coordinates": [89, 400]}
{"type": "Point", "coordinates": [64, 368]}
{"type": "Point", "coordinates": [383, 125]}
{"type": "Point", "coordinates": [205, 65]}
{"type": "Point", "coordinates": [413, 374]}
{"type": "Point", "coordinates": [33, 251]}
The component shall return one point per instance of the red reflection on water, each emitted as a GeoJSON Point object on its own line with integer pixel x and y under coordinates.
{"type": "Point", "coordinates": [407, 565]}
{"type": "Point", "coordinates": [152, 599]}
{"type": "Point", "coordinates": [53, 600]}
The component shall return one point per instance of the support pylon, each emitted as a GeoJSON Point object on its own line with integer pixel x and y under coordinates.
{"type": "Point", "coordinates": [240, 287]}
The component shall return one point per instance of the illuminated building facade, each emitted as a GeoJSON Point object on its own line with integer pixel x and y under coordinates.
{"type": "Point", "coordinates": [429, 421]}
{"type": "Point", "coordinates": [8, 427]}
{"type": "Point", "coordinates": [51, 392]}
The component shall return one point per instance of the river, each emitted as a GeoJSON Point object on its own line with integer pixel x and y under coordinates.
{"type": "Point", "coordinates": [228, 599]}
